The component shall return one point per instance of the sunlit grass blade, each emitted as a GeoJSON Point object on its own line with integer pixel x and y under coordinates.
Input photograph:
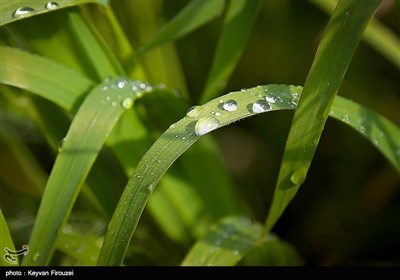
{"type": "Point", "coordinates": [333, 57]}
{"type": "Point", "coordinates": [272, 251]}
{"type": "Point", "coordinates": [20, 9]}
{"type": "Point", "coordinates": [181, 135]}
{"type": "Point", "coordinates": [92, 124]}
{"type": "Point", "coordinates": [6, 243]}
{"type": "Point", "coordinates": [191, 17]}
{"type": "Point", "coordinates": [238, 22]}
{"type": "Point", "coordinates": [377, 35]}
{"type": "Point", "coordinates": [225, 243]}
{"type": "Point", "coordinates": [48, 79]}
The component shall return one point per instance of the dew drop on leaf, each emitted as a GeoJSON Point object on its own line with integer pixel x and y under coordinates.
{"type": "Point", "coordinates": [298, 176]}
{"type": "Point", "coordinates": [51, 6]}
{"type": "Point", "coordinates": [194, 111]}
{"type": "Point", "coordinates": [270, 99]}
{"type": "Point", "coordinates": [127, 103]}
{"type": "Point", "coordinates": [23, 12]}
{"type": "Point", "coordinates": [230, 105]}
{"type": "Point", "coordinates": [261, 106]}
{"type": "Point", "coordinates": [205, 125]}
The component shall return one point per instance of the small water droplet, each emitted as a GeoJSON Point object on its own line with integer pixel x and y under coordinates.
{"type": "Point", "coordinates": [119, 97]}
{"type": "Point", "coordinates": [148, 88]}
{"type": "Point", "coordinates": [60, 147]}
{"type": "Point", "coordinates": [158, 161]}
{"type": "Point", "coordinates": [205, 125]}
{"type": "Point", "coordinates": [36, 257]}
{"type": "Point", "coordinates": [134, 88]}
{"type": "Point", "coordinates": [217, 114]}
{"type": "Point", "coordinates": [346, 118]}
{"type": "Point", "coordinates": [114, 103]}
{"type": "Point", "coordinates": [298, 176]}
{"type": "Point", "coordinates": [151, 186]}
{"type": "Point", "coordinates": [230, 105]}
{"type": "Point", "coordinates": [243, 90]}
{"type": "Point", "coordinates": [107, 79]}
{"type": "Point", "coordinates": [251, 93]}
{"type": "Point", "coordinates": [142, 85]}
{"type": "Point", "coordinates": [361, 128]}
{"type": "Point", "coordinates": [108, 98]}
{"type": "Point", "coordinates": [176, 136]}
{"type": "Point", "coordinates": [183, 138]}
{"type": "Point", "coordinates": [260, 106]}
{"type": "Point", "coordinates": [194, 111]}
{"type": "Point", "coordinates": [172, 126]}
{"type": "Point", "coordinates": [51, 6]}
{"type": "Point", "coordinates": [235, 252]}
{"type": "Point", "coordinates": [127, 103]}
{"type": "Point", "coordinates": [376, 141]}
{"type": "Point", "coordinates": [23, 12]}
{"type": "Point", "coordinates": [121, 83]}
{"type": "Point", "coordinates": [270, 99]}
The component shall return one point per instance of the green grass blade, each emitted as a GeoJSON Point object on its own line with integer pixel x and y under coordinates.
{"type": "Point", "coordinates": [181, 135]}
{"type": "Point", "coordinates": [225, 243]}
{"type": "Point", "coordinates": [238, 22]}
{"type": "Point", "coordinates": [6, 242]}
{"type": "Point", "coordinates": [48, 79]}
{"type": "Point", "coordinates": [92, 124]}
{"type": "Point", "coordinates": [191, 17]}
{"type": "Point", "coordinates": [35, 7]}
{"type": "Point", "coordinates": [333, 57]}
{"type": "Point", "coordinates": [272, 251]}
{"type": "Point", "coordinates": [377, 35]}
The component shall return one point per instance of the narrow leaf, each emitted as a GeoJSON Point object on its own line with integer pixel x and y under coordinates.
{"type": "Point", "coordinates": [92, 124]}
{"type": "Point", "coordinates": [7, 257]}
{"type": "Point", "coordinates": [22, 9]}
{"type": "Point", "coordinates": [238, 22]}
{"type": "Point", "coordinates": [333, 57]}
{"type": "Point", "coordinates": [191, 17]}
{"type": "Point", "coordinates": [47, 80]}
{"type": "Point", "coordinates": [181, 135]}
{"type": "Point", "coordinates": [225, 243]}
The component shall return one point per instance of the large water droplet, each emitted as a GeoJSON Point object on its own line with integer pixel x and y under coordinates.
{"type": "Point", "coordinates": [205, 125]}
{"type": "Point", "coordinates": [51, 6]}
{"type": "Point", "coordinates": [23, 12]}
{"type": "Point", "coordinates": [298, 177]}
{"type": "Point", "coordinates": [270, 99]}
{"type": "Point", "coordinates": [194, 111]}
{"type": "Point", "coordinates": [261, 106]}
{"type": "Point", "coordinates": [127, 103]}
{"type": "Point", "coordinates": [230, 105]}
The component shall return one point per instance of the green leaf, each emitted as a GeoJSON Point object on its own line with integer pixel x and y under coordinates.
{"type": "Point", "coordinates": [89, 129]}
{"type": "Point", "coordinates": [225, 243]}
{"type": "Point", "coordinates": [380, 37]}
{"type": "Point", "coordinates": [48, 79]}
{"type": "Point", "coordinates": [191, 17]}
{"type": "Point", "coordinates": [182, 134]}
{"type": "Point", "coordinates": [6, 245]}
{"type": "Point", "coordinates": [272, 251]}
{"type": "Point", "coordinates": [333, 57]}
{"type": "Point", "coordinates": [22, 9]}
{"type": "Point", "coordinates": [238, 22]}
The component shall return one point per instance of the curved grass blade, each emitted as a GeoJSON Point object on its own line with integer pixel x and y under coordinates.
{"type": "Point", "coordinates": [272, 251]}
{"type": "Point", "coordinates": [191, 17]}
{"type": "Point", "coordinates": [48, 79]}
{"type": "Point", "coordinates": [7, 245]}
{"type": "Point", "coordinates": [92, 124]}
{"type": "Point", "coordinates": [377, 35]}
{"type": "Point", "coordinates": [333, 57]}
{"type": "Point", "coordinates": [21, 9]}
{"type": "Point", "coordinates": [225, 243]}
{"type": "Point", "coordinates": [181, 135]}
{"type": "Point", "coordinates": [238, 22]}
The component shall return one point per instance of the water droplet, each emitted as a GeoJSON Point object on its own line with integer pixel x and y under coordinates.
{"type": "Point", "coordinates": [361, 128]}
{"type": "Point", "coordinates": [114, 103]}
{"type": "Point", "coordinates": [107, 79]}
{"type": "Point", "coordinates": [121, 83]}
{"type": "Point", "coordinates": [36, 257]}
{"type": "Point", "coordinates": [51, 6]}
{"type": "Point", "coordinates": [158, 161]}
{"type": "Point", "coordinates": [127, 103]}
{"type": "Point", "coordinates": [235, 252]}
{"type": "Point", "coordinates": [298, 176]}
{"type": "Point", "coordinates": [60, 147]}
{"type": "Point", "coordinates": [346, 118]}
{"type": "Point", "coordinates": [251, 92]}
{"type": "Point", "coordinates": [142, 85]}
{"type": "Point", "coordinates": [108, 98]}
{"type": "Point", "coordinates": [134, 88]}
{"type": "Point", "coordinates": [148, 88]}
{"type": "Point", "coordinates": [230, 105]}
{"type": "Point", "coordinates": [23, 12]}
{"type": "Point", "coordinates": [217, 114]}
{"type": "Point", "coordinates": [183, 138]}
{"type": "Point", "coordinates": [176, 136]}
{"type": "Point", "coordinates": [270, 99]}
{"type": "Point", "coordinates": [151, 186]}
{"type": "Point", "coordinates": [243, 90]}
{"type": "Point", "coordinates": [205, 125]}
{"type": "Point", "coordinates": [261, 106]}
{"type": "Point", "coordinates": [376, 141]}
{"type": "Point", "coordinates": [194, 111]}
{"type": "Point", "coordinates": [172, 126]}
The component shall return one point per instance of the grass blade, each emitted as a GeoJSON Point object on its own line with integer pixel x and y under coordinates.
{"type": "Point", "coordinates": [333, 57]}
{"type": "Point", "coordinates": [238, 22]}
{"type": "Point", "coordinates": [91, 126]}
{"type": "Point", "coordinates": [181, 135]}
{"type": "Point", "coordinates": [7, 259]}
{"type": "Point", "coordinates": [377, 35]}
{"type": "Point", "coordinates": [191, 17]}
{"type": "Point", "coordinates": [9, 9]}
{"type": "Point", "coordinates": [225, 243]}
{"type": "Point", "coordinates": [47, 80]}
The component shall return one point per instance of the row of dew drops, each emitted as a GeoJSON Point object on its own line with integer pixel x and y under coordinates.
{"type": "Point", "coordinates": [209, 123]}
{"type": "Point", "coordinates": [27, 11]}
